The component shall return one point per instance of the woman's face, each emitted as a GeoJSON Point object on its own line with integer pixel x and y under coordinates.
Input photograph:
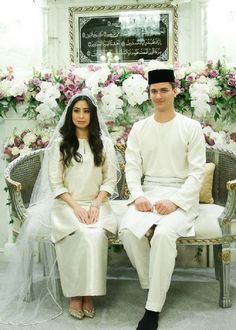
{"type": "Point", "coordinates": [81, 115]}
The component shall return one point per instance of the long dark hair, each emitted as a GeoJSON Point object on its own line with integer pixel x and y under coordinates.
{"type": "Point", "coordinates": [70, 143]}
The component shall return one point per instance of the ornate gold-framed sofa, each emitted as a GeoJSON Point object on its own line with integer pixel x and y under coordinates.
{"type": "Point", "coordinates": [215, 225]}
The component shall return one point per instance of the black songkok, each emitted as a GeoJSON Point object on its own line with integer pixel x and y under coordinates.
{"type": "Point", "coordinates": [161, 75]}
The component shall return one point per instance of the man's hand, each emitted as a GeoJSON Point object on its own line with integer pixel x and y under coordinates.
{"type": "Point", "coordinates": [165, 207]}
{"type": "Point", "coordinates": [142, 204]}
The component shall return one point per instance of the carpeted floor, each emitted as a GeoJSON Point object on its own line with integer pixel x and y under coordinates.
{"type": "Point", "coordinates": [192, 303]}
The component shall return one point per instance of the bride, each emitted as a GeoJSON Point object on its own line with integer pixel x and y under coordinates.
{"type": "Point", "coordinates": [69, 208]}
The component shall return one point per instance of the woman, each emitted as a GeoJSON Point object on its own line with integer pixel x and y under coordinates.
{"type": "Point", "coordinates": [82, 177]}
{"type": "Point", "coordinates": [78, 220]}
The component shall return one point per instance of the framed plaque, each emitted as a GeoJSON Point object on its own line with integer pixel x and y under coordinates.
{"type": "Point", "coordinates": [127, 32]}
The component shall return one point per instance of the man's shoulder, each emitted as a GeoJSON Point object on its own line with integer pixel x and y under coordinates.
{"type": "Point", "coordinates": [188, 121]}
{"type": "Point", "coordinates": [143, 122]}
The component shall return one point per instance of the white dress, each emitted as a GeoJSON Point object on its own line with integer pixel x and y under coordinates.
{"type": "Point", "coordinates": [82, 249]}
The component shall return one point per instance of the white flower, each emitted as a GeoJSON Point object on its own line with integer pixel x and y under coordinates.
{"type": "Point", "coordinates": [95, 78]}
{"type": "Point", "coordinates": [47, 93]}
{"type": "Point", "coordinates": [214, 88]}
{"type": "Point", "coordinates": [112, 90]}
{"type": "Point", "coordinates": [45, 113]}
{"type": "Point", "coordinates": [202, 79]}
{"type": "Point", "coordinates": [199, 95]}
{"type": "Point", "coordinates": [207, 130]}
{"type": "Point", "coordinates": [200, 108]}
{"type": "Point", "coordinates": [5, 86]}
{"type": "Point", "coordinates": [219, 138]}
{"type": "Point", "coordinates": [15, 151]}
{"type": "Point", "coordinates": [81, 73]}
{"type": "Point", "coordinates": [180, 73]}
{"type": "Point", "coordinates": [29, 138]}
{"type": "Point", "coordinates": [135, 87]}
{"type": "Point", "coordinates": [18, 87]}
{"type": "Point", "coordinates": [198, 67]}
{"type": "Point", "coordinates": [111, 107]}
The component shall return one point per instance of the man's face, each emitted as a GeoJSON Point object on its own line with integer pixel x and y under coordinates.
{"type": "Point", "coordinates": [162, 96]}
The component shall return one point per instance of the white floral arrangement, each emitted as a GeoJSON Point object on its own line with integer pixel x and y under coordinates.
{"type": "Point", "coordinates": [122, 95]}
{"type": "Point", "coordinates": [120, 89]}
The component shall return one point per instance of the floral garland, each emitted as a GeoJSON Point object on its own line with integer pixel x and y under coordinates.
{"type": "Point", "coordinates": [121, 90]}
{"type": "Point", "coordinates": [21, 143]}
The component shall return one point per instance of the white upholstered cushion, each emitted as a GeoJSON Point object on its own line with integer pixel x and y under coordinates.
{"type": "Point", "coordinates": [206, 225]}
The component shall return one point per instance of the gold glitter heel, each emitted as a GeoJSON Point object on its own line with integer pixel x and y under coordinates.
{"type": "Point", "coordinates": [79, 314]}
{"type": "Point", "coordinates": [89, 313]}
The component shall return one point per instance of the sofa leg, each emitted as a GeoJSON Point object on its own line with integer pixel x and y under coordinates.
{"type": "Point", "coordinates": [216, 251]}
{"type": "Point", "coordinates": [224, 257]}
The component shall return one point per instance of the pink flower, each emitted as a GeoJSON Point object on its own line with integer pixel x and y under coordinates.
{"type": "Point", "coordinates": [213, 73]}
{"type": "Point", "coordinates": [61, 88]}
{"type": "Point", "coordinates": [24, 133]}
{"type": "Point", "coordinates": [17, 141]}
{"type": "Point", "coordinates": [209, 141]}
{"type": "Point", "coordinates": [69, 94]}
{"type": "Point", "coordinates": [210, 62]}
{"type": "Point", "coordinates": [232, 82]}
{"type": "Point", "coordinates": [233, 136]}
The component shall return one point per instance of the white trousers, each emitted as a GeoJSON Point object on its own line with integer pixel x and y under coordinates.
{"type": "Point", "coordinates": [154, 261]}
{"type": "Point", "coordinates": [82, 262]}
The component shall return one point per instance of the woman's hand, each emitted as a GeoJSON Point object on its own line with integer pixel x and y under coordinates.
{"type": "Point", "coordinates": [93, 214]}
{"type": "Point", "coordinates": [81, 214]}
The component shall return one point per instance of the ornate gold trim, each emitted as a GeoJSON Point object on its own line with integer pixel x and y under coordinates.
{"type": "Point", "coordinates": [75, 10]}
{"type": "Point", "coordinates": [186, 241]}
{"type": "Point", "coordinates": [225, 256]}
{"type": "Point", "coordinates": [231, 185]}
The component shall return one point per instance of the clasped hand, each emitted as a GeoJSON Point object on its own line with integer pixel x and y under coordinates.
{"type": "Point", "coordinates": [163, 207]}
{"type": "Point", "coordinates": [88, 217]}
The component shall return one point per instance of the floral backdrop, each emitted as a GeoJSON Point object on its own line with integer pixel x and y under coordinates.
{"type": "Point", "coordinates": [204, 89]}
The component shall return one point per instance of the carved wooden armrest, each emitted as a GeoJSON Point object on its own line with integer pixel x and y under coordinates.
{"type": "Point", "coordinates": [16, 186]}
{"type": "Point", "coordinates": [18, 208]}
{"type": "Point", "coordinates": [229, 212]}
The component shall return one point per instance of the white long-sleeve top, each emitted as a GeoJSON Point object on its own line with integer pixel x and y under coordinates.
{"type": "Point", "coordinates": [168, 154]}
{"type": "Point", "coordinates": [83, 180]}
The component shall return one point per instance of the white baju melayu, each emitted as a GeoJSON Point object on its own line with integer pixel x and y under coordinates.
{"type": "Point", "coordinates": [82, 249]}
{"type": "Point", "coordinates": [169, 157]}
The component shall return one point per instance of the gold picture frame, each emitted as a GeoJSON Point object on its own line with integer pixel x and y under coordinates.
{"type": "Point", "coordinates": [97, 30]}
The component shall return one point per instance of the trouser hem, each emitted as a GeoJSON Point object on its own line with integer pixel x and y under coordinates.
{"type": "Point", "coordinates": [153, 307]}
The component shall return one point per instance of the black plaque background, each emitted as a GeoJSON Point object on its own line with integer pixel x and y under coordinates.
{"type": "Point", "coordinates": [101, 34]}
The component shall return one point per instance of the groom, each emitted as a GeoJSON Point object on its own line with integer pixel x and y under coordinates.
{"type": "Point", "coordinates": [165, 159]}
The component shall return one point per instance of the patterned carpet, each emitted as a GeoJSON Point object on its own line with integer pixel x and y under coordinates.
{"type": "Point", "coordinates": [192, 303]}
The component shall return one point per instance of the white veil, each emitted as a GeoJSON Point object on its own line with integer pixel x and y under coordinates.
{"type": "Point", "coordinates": [30, 293]}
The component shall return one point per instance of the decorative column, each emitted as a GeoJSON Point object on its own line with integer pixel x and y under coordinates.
{"type": "Point", "coordinates": [204, 29]}
{"type": "Point", "coordinates": [45, 10]}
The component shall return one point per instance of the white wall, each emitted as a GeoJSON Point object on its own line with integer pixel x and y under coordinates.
{"type": "Point", "coordinates": [20, 34]}
{"type": "Point", "coordinates": [222, 30]}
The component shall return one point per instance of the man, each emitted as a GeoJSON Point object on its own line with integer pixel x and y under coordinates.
{"type": "Point", "coordinates": [165, 160]}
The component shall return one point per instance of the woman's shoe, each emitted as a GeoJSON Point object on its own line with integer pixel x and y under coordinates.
{"type": "Point", "coordinates": [89, 312]}
{"type": "Point", "coordinates": [79, 314]}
